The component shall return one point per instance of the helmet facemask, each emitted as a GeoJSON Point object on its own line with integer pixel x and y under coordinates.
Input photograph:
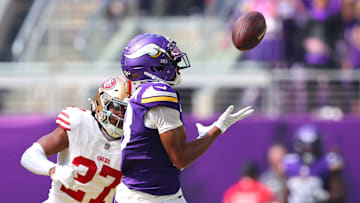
{"type": "Point", "coordinates": [178, 59]}
{"type": "Point", "coordinates": [110, 121]}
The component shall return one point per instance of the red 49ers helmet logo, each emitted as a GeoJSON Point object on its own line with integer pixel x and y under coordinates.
{"type": "Point", "coordinates": [109, 84]}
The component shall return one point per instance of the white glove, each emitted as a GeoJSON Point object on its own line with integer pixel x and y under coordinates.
{"type": "Point", "coordinates": [227, 119]}
{"type": "Point", "coordinates": [203, 130]}
{"type": "Point", "coordinates": [65, 175]}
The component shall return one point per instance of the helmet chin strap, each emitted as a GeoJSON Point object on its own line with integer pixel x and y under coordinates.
{"type": "Point", "coordinates": [177, 80]}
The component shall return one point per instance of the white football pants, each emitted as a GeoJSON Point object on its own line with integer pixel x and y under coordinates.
{"type": "Point", "coordinates": [124, 194]}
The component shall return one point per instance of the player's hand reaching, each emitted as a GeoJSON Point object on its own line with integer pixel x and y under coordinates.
{"type": "Point", "coordinates": [65, 175]}
{"type": "Point", "coordinates": [227, 119]}
{"type": "Point", "coordinates": [203, 130]}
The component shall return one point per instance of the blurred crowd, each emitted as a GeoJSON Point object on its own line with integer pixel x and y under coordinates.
{"type": "Point", "coordinates": [301, 34]}
{"type": "Point", "coordinates": [320, 34]}
{"type": "Point", "coordinates": [314, 33]}
{"type": "Point", "coordinates": [308, 34]}
{"type": "Point", "coordinates": [304, 173]}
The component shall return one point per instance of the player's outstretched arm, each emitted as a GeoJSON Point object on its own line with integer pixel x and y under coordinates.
{"type": "Point", "coordinates": [183, 153]}
{"type": "Point", "coordinates": [225, 120]}
{"type": "Point", "coordinates": [35, 158]}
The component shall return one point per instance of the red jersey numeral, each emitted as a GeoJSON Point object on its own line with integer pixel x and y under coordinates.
{"type": "Point", "coordinates": [107, 171]}
{"type": "Point", "coordinates": [92, 168]}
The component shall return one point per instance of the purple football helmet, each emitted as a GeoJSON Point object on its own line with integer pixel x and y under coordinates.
{"type": "Point", "coordinates": [308, 143]}
{"type": "Point", "coordinates": [152, 57]}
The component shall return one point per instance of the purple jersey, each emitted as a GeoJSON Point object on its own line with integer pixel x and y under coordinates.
{"type": "Point", "coordinates": [145, 163]}
{"type": "Point", "coordinates": [320, 168]}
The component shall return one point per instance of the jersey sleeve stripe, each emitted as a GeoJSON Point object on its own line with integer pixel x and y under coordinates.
{"type": "Point", "coordinates": [65, 114]}
{"type": "Point", "coordinates": [60, 120]}
{"type": "Point", "coordinates": [65, 121]}
{"type": "Point", "coordinates": [159, 99]}
{"type": "Point", "coordinates": [62, 125]}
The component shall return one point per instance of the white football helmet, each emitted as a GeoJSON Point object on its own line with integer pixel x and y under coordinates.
{"type": "Point", "coordinates": [113, 95]}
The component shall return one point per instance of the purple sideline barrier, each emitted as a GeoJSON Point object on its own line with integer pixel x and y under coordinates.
{"type": "Point", "coordinates": [208, 177]}
{"type": "Point", "coordinates": [18, 133]}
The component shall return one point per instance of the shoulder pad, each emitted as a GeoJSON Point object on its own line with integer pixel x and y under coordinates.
{"type": "Point", "coordinates": [158, 94]}
{"type": "Point", "coordinates": [70, 117]}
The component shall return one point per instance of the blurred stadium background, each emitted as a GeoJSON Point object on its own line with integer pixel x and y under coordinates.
{"type": "Point", "coordinates": [56, 53]}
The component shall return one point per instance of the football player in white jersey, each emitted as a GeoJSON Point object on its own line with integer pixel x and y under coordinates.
{"type": "Point", "coordinates": [154, 148]}
{"type": "Point", "coordinates": [87, 144]}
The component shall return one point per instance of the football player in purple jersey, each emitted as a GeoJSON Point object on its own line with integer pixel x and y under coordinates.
{"type": "Point", "coordinates": [313, 176]}
{"type": "Point", "coordinates": [154, 147]}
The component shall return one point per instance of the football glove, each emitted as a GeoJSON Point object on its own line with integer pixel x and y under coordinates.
{"type": "Point", "coordinates": [203, 130]}
{"type": "Point", "coordinates": [65, 175]}
{"type": "Point", "coordinates": [227, 119]}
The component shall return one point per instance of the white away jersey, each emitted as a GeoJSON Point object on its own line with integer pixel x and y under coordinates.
{"type": "Point", "coordinates": [97, 160]}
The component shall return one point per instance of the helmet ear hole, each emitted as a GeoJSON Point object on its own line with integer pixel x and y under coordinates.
{"type": "Point", "coordinates": [160, 68]}
{"type": "Point", "coordinates": [157, 68]}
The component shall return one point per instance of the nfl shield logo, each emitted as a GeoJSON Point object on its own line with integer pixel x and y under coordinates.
{"type": "Point", "coordinates": [107, 146]}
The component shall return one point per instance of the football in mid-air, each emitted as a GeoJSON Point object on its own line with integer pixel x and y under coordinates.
{"type": "Point", "coordinates": [248, 30]}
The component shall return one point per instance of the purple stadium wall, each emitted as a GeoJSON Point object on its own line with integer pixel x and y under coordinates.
{"type": "Point", "coordinates": [205, 180]}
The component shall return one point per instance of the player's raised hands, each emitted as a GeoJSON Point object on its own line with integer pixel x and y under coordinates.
{"type": "Point", "coordinates": [65, 175]}
{"type": "Point", "coordinates": [227, 118]}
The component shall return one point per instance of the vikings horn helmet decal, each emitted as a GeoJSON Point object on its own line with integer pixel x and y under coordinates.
{"type": "Point", "coordinates": [153, 57]}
